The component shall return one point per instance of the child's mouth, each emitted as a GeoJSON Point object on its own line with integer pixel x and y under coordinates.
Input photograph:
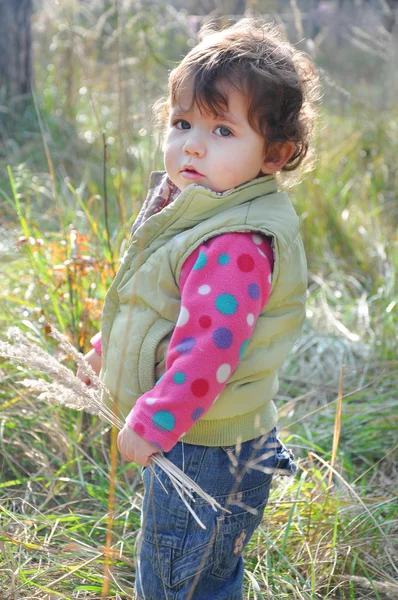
{"type": "Point", "coordinates": [189, 173]}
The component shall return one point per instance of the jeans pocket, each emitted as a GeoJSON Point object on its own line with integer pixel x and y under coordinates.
{"type": "Point", "coordinates": [235, 530]}
{"type": "Point", "coordinates": [173, 566]}
{"type": "Point", "coordinates": [174, 547]}
{"type": "Point", "coordinates": [188, 564]}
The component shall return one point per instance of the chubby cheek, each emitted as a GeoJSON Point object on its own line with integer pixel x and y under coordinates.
{"type": "Point", "coordinates": [167, 155]}
{"type": "Point", "coordinates": [235, 174]}
{"type": "Point", "coordinates": [170, 160]}
{"type": "Point", "coordinates": [251, 168]}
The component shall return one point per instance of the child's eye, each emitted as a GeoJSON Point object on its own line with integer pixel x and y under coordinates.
{"type": "Point", "coordinates": [224, 131]}
{"type": "Point", "coordinates": [181, 124]}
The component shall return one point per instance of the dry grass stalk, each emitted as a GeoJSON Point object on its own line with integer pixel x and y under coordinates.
{"type": "Point", "coordinates": [389, 589]}
{"type": "Point", "coordinates": [337, 422]}
{"type": "Point", "coordinates": [68, 390]}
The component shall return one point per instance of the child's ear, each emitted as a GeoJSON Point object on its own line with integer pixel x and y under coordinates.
{"type": "Point", "coordinates": [277, 156]}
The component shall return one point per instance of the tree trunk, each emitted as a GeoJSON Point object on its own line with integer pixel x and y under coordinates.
{"type": "Point", "coordinates": [15, 47]}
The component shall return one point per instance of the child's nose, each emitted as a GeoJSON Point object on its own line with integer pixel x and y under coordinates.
{"type": "Point", "coordinates": [194, 146]}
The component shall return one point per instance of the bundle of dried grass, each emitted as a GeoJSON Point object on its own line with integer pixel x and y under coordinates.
{"type": "Point", "coordinates": [68, 390]}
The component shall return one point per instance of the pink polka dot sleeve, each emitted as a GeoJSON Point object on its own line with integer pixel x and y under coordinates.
{"type": "Point", "coordinates": [96, 342]}
{"type": "Point", "coordinates": [224, 285]}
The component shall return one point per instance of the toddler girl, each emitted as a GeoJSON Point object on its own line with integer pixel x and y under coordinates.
{"type": "Point", "coordinates": [207, 303]}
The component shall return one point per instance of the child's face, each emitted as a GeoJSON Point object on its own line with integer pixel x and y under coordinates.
{"type": "Point", "coordinates": [218, 153]}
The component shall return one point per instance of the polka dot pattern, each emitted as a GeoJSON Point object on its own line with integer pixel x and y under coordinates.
{"type": "Point", "coordinates": [223, 259]}
{"type": "Point", "coordinates": [139, 428]}
{"type": "Point", "coordinates": [197, 413]}
{"type": "Point", "coordinates": [254, 291]}
{"type": "Point", "coordinates": [164, 419]}
{"type": "Point", "coordinates": [243, 348]}
{"type": "Point", "coordinates": [250, 319]}
{"type": "Point", "coordinates": [245, 263]}
{"type": "Point", "coordinates": [186, 345]}
{"type": "Point", "coordinates": [224, 286]}
{"type": "Point", "coordinates": [200, 387]}
{"type": "Point", "coordinates": [201, 262]}
{"type": "Point", "coordinates": [150, 400]}
{"type": "Point", "coordinates": [226, 304]}
{"type": "Point", "coordinates": [204, 290]}
{"type": "Point", "coordinates": [183, 317]}
{"type": "Point", "coordinates": [205, 321]}
{"type": "Point", "coordinates": [223, 372]}
{"type": "Point", "coordinates": [179, 377]}
{"type": "Point", "coordinates": [222, 337]}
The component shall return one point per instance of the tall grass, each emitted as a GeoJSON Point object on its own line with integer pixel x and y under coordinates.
{"type": "Point", "coordinates": [331, 532]}
{"type": "Point", "coordinates": [315, 538]}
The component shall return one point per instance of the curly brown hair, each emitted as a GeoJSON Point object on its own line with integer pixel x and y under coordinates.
{"type": "Point", "coordinates": [281, 82]}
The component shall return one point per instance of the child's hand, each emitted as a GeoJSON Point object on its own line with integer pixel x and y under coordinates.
{"type": "Point", "coordinates": [134, 448]}
{"type": "Point", "coordinates": [95, 361]}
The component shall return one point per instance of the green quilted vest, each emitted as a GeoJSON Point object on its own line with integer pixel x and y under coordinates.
{"type": "Point", "coordinates": [143, 303]}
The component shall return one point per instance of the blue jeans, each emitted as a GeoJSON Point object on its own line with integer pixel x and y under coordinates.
{"type": "Point", "coordinates": [177, 559]}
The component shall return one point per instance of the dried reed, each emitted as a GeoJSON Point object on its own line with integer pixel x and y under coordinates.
{"type": "Point", "coordinates": [68, 390]}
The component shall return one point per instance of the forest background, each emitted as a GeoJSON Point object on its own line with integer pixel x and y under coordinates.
{"type": "Point", "coordinates": [77, 144]}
